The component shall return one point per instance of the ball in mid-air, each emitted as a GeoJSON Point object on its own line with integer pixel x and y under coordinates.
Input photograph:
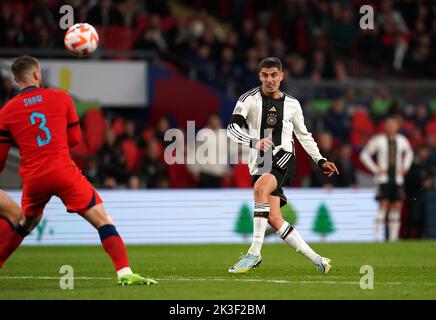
{"type": "Point", "coordinates": [81, 39]}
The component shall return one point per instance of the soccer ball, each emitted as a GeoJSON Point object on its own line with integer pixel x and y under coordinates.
{"type": "Point", "coordinates": [81, 39]}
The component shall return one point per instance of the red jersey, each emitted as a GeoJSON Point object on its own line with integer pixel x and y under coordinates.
{"type": "Point", "coordinates": [44, 124]}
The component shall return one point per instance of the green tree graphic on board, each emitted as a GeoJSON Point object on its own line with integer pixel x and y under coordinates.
{"type": "Point", "coordinates": [289, 214]}
{"type": "Point", "coordinates": [323, 224]}
{"type": "Point", "coordinates": [244, 223]}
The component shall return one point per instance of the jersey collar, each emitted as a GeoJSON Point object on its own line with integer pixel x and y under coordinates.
{"type": "Point", "coordinates": [274, 99]}
{"type": "Point", "coordinates": [28, 89]}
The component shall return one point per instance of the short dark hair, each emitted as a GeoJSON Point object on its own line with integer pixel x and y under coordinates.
{"type": "Point", "coordinates": [270, 62]}
{"type": "Point", "coordinates": [23, 65]}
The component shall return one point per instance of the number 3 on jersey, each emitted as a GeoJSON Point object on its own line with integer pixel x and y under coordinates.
{"type": "Point", "coordinates": [33, 117]}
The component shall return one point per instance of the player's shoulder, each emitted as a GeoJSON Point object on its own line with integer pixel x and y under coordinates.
{"type": "Point", "coordinates": [291, 101]}
{"type": "Point", "coordinates": [378, 137]}
{"type": "Point", "coordinates": [402, 137]}
{"type": "Point", "coordinates": [290, 98]}
{"type": "Point", "coordinates": [249, 94]}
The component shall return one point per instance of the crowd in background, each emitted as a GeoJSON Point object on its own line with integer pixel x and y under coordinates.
{"type": "Point", "coordinates": [111, 168]}
{"type": "Point", "coordinates": [221, 42]}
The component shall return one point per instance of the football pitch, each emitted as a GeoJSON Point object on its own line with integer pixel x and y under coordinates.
{"type": "Point", "coordinates": [404, 270]}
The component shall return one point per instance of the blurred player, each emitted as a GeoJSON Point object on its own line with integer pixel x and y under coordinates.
{"type": "Point", "coordinates": [44, 124]}
{"type": "Point", "coordinates": [394, 158]}
{"type": "Point", "coordinates": [272, 116]}
{"type": "Point", "coordinates": [10, 216]}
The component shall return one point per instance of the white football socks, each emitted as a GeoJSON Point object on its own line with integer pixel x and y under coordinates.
{"type": "Point", "coordinates": [293, 238]}
{"type": "Point", "coordinates": [379, 224]}
{"type": "Point", "coordinates": [394, 225]}
{"type": "Point", "coordinates": [124, 271]}
{"type": "Point", "coordinates": [260, 221]}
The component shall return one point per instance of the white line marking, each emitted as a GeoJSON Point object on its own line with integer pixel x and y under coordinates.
{"type": "Point", "coordinates": [230, 279]}
{"type": "Point", "coordinates": [53, 278]}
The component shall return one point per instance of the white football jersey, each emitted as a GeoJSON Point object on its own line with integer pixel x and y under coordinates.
{"type": "Point", "coordinates": [379, 146]}
{"type": "Point", "coordinates": [280, 117]}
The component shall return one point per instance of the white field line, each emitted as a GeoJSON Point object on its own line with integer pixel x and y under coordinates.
{"type": "Point", "coordinates": [230, 279]}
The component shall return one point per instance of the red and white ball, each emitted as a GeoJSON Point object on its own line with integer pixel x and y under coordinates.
{"type": "Point", "coordinates": [81, 39]}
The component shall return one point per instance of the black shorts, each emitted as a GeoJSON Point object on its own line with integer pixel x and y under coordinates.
{"type": "Point", "coordinates": [390, 192]}
{"type": "Point", "coordinates": [284, 173]}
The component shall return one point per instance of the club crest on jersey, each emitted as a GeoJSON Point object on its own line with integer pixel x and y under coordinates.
{"type": "Point", "coordinates": [32, 100]}
{"type": "Point", "coordinates": [271, 120]}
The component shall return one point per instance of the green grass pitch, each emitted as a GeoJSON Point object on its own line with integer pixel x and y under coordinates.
{"type": "Point", "coordinates": [404, 270]}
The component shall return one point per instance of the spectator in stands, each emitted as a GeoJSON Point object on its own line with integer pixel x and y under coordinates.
{"type": "Point", "coordinates": [111, 161]}
{"type": "Point", "coordinates": [134, 183]}
{"type": "Point", "coordinates": [202, 64]}
{"type": "Point", "coordinates": [420, 58]}
{"type": "Point", "coordinates": [158, 7]}
{"type": "Point", "coordinates": [99, 15]}
{"type": "Point", "coordinates": [124, 13]}
{"type": "Point", "coordinates": [296, 66]}
{"type": "Point", "coordinates": [42, 10]}
{"type": "Point", "coordinates": [7, 90]}
{"type": "Point", "coordinates": [246, 32]}
{"type": "Point", "coordinates": [180, 37]}
{"type": "Point", "coordinates": [421, 117]}
{"type": "Point", "coordinates": [211, 140]}
{"type": "Point", "coordinates": [317, 177]}
{"type": "Point", "coordinates": [149, 42]}
{"type": "Point", "coordinates": [152, 170]}
{"type": "Point", "coordinates": [162, 126]}
{"type": "Point", "coordinates": [369, 46]}
{"type": "Point", "coordinates": [337, 121]}
{"type": "Point", "coordinates": [249, 78]}
{"type": "Point", "coordinates": [226, 70]}
{"type": "Point", "coordinates": [12, 30]}
{"type": "Point", "coordinates": [418, 179]}
{"type": "Point", "coordinates": [347, 178]}
{"type": "Point", "coordinates": [342, 27]}
{"type": "Point", "coordinates": [430, 141]}
{"type": "Point", "coordinates": [93, 173]}
{"type": "Point", "coordinates": [320, 65]}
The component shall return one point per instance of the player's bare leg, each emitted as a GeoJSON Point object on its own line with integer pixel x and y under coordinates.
{"type": "Point", "coordinates": [292, 237]}
{"type": "Point", "coordinates": [9, 209]}
{"type": "Point", "coordinates": [114, 246]}
{"type": "Point", "coordinates": [394, 220]}
{"type": "Point", "coordinates": [380, 220]}
{"type": "Point", "coordinates": [263, 187]}
{"type": "Point", "coordinates": [12, 232]}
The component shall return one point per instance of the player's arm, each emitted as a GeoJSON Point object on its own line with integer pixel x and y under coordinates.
{"type": "Point", "coordinates": [309, 144]}
{"type": "Point", "coordinates": [366, 156]}
{"type": "Point", "coordinates": [73, 124]}
{"type": "Point", "coordinates": [235, 132]}
{"type": "Point", "coordinates": [408, 156]}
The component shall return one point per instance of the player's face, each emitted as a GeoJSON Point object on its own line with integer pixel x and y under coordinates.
{"type": "Point", "coordinates": [271, 79]}
{"type": "Point", "coordinates": [391, 126]}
